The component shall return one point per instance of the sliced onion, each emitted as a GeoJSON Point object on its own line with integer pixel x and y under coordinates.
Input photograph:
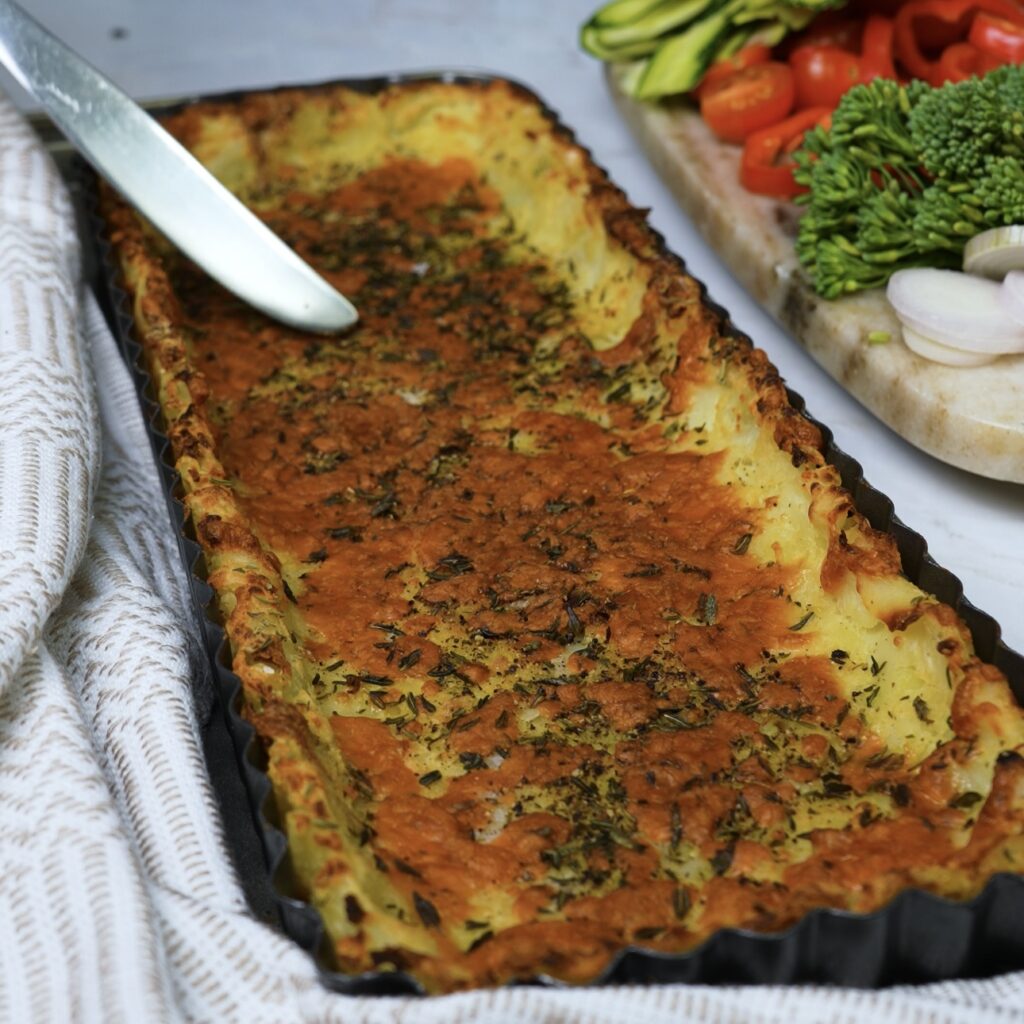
{"type": "Point", "coordinates": [1011, 296]}
{"type": "Point", "coordinates": [994, 253]}
{"type": "Point", "coordinates": [954, 309]}
{"type": "Point", "coordinates": [939, 353]}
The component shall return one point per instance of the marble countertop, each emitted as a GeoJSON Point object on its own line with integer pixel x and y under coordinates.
{"type": "Point", "coordinates": [974, 526]}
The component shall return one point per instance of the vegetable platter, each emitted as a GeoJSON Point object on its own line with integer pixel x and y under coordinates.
{"type": "Point", "coordinates": [861, 172]}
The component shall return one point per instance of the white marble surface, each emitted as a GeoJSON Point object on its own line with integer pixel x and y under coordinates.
{"type": "Point", "coordinates": [974, 526]}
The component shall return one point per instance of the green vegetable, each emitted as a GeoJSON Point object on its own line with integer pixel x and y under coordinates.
{"type": "Point", "coordinates": [680, 62]}
{"type": "Point", "coordinates": [623, 12]}
{"type": "Point", "coordinates": [906, 175]}
{"type": "Point", "coordinates": [673, 42]}
{"type": "Point", "coordinates": [663, 19]}
{"type": "Point", "coordinates": [957, 129]}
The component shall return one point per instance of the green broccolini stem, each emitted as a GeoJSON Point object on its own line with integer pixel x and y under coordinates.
{"type": "Point", "coordinates": [906, 175]}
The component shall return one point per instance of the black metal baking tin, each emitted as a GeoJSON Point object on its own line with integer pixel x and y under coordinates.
{"type": "Point", "coordinates": [918, 937]}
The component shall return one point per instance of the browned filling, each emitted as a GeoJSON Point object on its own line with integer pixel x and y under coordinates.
{"type": "Point", "coordinates": [507, 571]}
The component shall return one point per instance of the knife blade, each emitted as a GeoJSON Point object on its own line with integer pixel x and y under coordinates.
{"type": "Point", "coordinates": [155, 173]}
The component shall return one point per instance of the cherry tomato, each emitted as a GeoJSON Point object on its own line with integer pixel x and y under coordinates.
{"type": "Point", "coordinates": [822, 74]}
{"type": "Point", "coordinates": [761, 170]}
{"type": "Point", "coordinates": [757, 53]}
{"type": "Point", "coordinates": [997, 36]}
{"type": "Point", "coordinates": [747, 100]}
{"type": "Point", "coordinates": [829, 29]}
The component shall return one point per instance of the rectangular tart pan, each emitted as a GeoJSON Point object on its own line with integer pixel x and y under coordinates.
{"type": "Point", "coordinates": [918, 937]}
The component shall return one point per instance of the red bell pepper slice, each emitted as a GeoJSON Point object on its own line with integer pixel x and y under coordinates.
{"type": "Point", "coordinates": [998, 37]}
{"type": "Point", "coordinates": [958, 61]}
{"type": "Point", "coordinates": [963, 60]}
{"type": "Point", "coordinates": [876, 59]}
{"type": "Point", "coordinates": [914, 18]}
{"type": "Point", "coordinates": [760, 169]}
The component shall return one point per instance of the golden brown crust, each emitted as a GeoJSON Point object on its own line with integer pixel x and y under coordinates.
{"type": "Point", "coordinates": [559, 629]}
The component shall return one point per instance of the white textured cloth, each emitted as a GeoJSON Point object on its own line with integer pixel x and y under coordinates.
{"type": "Point", "coordinates": [118, 901]}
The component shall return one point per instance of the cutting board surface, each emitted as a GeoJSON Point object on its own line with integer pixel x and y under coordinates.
{"type": "Point", "coordinates": [969, 417]}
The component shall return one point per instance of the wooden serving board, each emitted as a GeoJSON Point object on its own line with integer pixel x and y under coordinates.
{"type": "Point", "coordinates": [969, 417]}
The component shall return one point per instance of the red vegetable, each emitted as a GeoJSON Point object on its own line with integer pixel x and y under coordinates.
{"type": "Point", "coordinates": [756, 53]}
{"type": "Point", "coordinates": [924, 24]}
{"type": "Point", "coordinates": [876, 58]}
{"type": "Point", "coordinates": [962, 60]}
{"type": "Point", "coordinates": [760, 169]}
{"type": "Point", "coordinates": [822, 74]}
{"type": "Point", "coordinates": [998, 37]}
{"type": "Point", "coordinates": [828, 29]}
{"type": "Point", "coordinates": [747, 100]}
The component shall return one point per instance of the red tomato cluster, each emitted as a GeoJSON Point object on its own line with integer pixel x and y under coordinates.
{"type": "Point", "coordinates": [767, 100]}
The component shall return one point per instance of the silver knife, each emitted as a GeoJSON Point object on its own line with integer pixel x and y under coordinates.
{"type": "Point", "coordinates": [166, 183]}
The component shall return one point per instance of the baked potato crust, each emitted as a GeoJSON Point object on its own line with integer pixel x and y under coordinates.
{"type": "Point", "coordinates": [559, 630]}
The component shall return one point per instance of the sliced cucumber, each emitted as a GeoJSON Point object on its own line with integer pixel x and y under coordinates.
{"type": "Point", "coordinates": [590, 40]}
{"type": "Point", "coordinates": [675, 41]}
{"type": "Point", "coordinates": [763, 33]}
{"type": "Point", "coordinates": [789, 14]}
{"type": "Point", "coordinates": [680, 61]}
{"type": "Point", "coordinates": [632, 75]}
{"type": "Point", "coordinates": [623, 12]}
{"type": "Point", "coordinates": [668, 17]}
{"type": "Point", "coordinates": [771, 33]}
{"type": "Point", "coordinates": [795, 18]}
{"type": "Point", "coordinates": [790, 18]}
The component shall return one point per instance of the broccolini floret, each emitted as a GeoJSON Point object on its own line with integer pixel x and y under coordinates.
{"type": "Point", "coordinates": [907, 174]}
{"type": "Point", "coordinates": [1009, 83]}
{"type": "Point", "coordinates": [947, 215]}
{"type": "Point", "coordinates": [957, 128]}
{"type": "Point", "coordinates": [1002, 185]}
